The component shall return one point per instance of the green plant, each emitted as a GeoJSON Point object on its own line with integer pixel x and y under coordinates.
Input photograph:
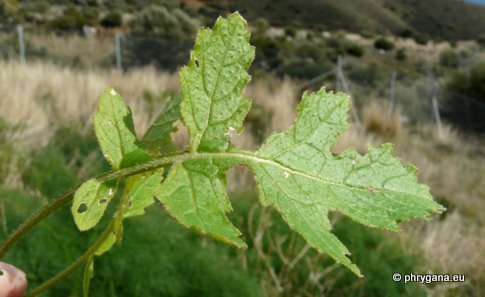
{"type": "Point", "coordinates": [162, 22]}
{"type": "Point", "coordinates": [355, 50]}
{"type": "Point", "coordinates": [112, 19]}
{"type": "Point", "coordinates": [421, 39]}
{"type": "Point", "coordinates": [70, 20]}
{"type": "Point", "coordinates": [7, 147]}
{"type": "Point", "coordinates": [383, 44]}
{"type": "Point", "coordinates": [401, 54]}
{"type": "Point", "coordinates": [449, 59]}
{"type": "Point", "coordinates": [481, 39]}
{"type": "Point", "coordinates": [295, 171]}
{"type": "Point", "coordinates": [464, 103]}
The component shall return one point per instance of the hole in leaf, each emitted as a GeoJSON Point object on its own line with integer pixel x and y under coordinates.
{"type": "Point", "coordinates": [196, 63]}
{"type": "Point", "coordinates": [130, 204]}
{"type": "Point", "coordinates": [83, 207]}
{"type": "Point", "coordinates": [1, 272]}
{"type": "Point", "coordinates": [102, 201]}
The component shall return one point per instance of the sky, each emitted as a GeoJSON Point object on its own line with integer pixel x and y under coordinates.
{"type": "Point", "coordinates": [477, 1]}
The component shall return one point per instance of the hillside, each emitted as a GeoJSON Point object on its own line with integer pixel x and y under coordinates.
{"type": "Point", "coordinates": [447, 19]}
{"type": "Point", "coordinates": [438, 19]}
{"type": "Point", "coordinates": [442, 19]}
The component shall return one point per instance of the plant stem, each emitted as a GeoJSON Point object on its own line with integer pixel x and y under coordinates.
{"type": "Point", "coordinates": [68, 270]}
{"type": "Point", "coordinates": [33, 220]}
{"type": "Point", "coordinates": [55, 204]}
{"type": "Point", "coordinates": [237, 157]}
{"type": "Point", "coordinates": [241, 157]}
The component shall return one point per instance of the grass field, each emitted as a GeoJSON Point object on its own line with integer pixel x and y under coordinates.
{"type": "Point", "coordinates": [47, 146]}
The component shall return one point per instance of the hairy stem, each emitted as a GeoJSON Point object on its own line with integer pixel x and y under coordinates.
{"type": "Point", "coordinates": [238, 157]}
{"type": "Point", "coordinates": [55, 204]}
{"type": "Point", "coordinates": [85, 257]}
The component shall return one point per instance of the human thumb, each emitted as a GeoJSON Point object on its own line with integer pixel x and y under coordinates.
{"type": "Point", "coordinates": [12, 281]}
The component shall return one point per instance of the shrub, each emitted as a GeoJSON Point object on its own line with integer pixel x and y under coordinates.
{"type": "Point", "coordinates": [421, 39]}
{"type": "Point", "coordinates": [112, 19]}
{"type": "Point", "coordinates": [161, 22]}
{"type": "Point", "coordinates": [290, 31]}
{"type": "Point", "coordinates": [481, 39]}
{"type": "Point", "coordinates": [465, 100]}
{"type": "Point", "coordinates": [449, 59]}
{"type": "Point", "coordinates": [70, 20]}
{"type": "Point", "coordinates": [401, 54]}
{"type": "Point", "coordinates": [305, 61]}
{"type": "Point", "coordinates": [383, 44]}
{"type": "Point", "coordinates": [355, 50]}
{"type": "Point", "coordinates": [173, 30]}
{"type": "Point", "coordinates": [406, 33]}
{"type": "Point", "coordinates": [337, 43]}
{"type": "Point", "coordinates": [175, 52]}
{"type": "Point", "coordinates": [366, 74]}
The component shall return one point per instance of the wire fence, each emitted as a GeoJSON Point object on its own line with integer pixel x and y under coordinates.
{"type": "Point", "coordinates": [419, 97]}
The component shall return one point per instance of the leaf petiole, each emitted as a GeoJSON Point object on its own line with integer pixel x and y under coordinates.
{"type": "Point", "coordinates": [80, 261]}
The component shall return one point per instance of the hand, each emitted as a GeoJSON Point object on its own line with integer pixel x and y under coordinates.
{"type": "Point", "coordinates": [12, 281]}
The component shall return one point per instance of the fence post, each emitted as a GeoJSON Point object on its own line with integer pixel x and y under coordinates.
{"type": "Point", "coordinates": [20, 33]}
{"type": "Point", "coordinates": [436, 111]}
{"type": "Point", "coordinates": [118, 51]}
{"type": "Point", "coordinates": [341, 81]}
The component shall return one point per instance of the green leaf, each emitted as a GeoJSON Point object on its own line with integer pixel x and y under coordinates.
{"type": "Point", "coordinates": [90, 202]}
{"type": "Point", "coordinates": [212, 82]}
{"type": "Point", "coordinates": [295, 171]}
{"type": "Point", "coordinates": [298, 175]}
{"type": "Point", "coordinates": [158, 138]}
{"type": "Point", "coordinates": [195, 195]}
{"type": "Point", "coordinates": [141, 192]}
{"type": "Point", "coordinates": [138, 194]}
{"type": "Point", "coordinates": [106, 245]}
{"type": "Point", "coordinates": [113, 125]}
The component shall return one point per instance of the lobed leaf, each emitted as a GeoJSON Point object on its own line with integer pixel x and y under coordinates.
{"type": "Point", "coordinates": [113, 125]}
{"type": "Point", "coordinates": [158, 138]}
{"type": "Point", "coordinates": [297, 174]}
{"type": "Point", "coordinates": [212, 82]}
{"type": "Point", "coordinates": [141, 190]}
{"type": "Point", "coordinates": [195, 195]}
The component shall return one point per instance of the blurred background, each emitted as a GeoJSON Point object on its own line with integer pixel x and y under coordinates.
{"type": "Point", "coordinates": [415, 70]}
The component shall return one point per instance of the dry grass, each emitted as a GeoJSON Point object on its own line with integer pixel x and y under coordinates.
{"type": "Point", "coordinates": [279, 97]}
{"type": "Point", "coordinates": [90, 51]}
{"type": "Point", "coordinates": [42, 97]}
{"type": "Point", "coordinates": [381, 120]}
